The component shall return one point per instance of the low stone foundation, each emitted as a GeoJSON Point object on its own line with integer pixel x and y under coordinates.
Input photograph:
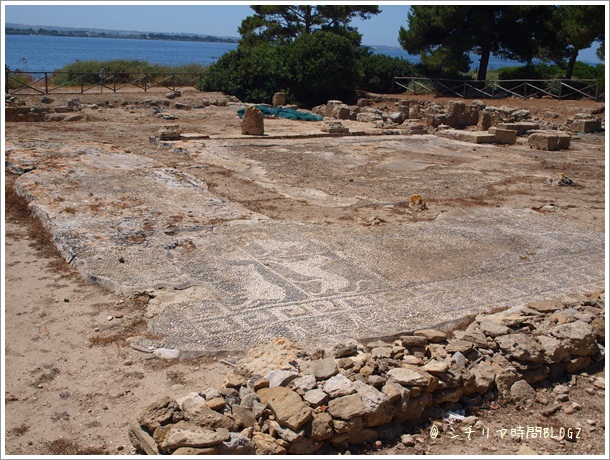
{"type": "Point", "coordinates": [282, 400]}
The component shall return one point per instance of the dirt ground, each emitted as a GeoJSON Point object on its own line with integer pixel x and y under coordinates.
{"type": "Point", "coordinates": [73, 384]}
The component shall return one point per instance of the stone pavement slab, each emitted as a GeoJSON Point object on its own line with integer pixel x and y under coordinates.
{"type": "Point", "coordinates": [227, 279]}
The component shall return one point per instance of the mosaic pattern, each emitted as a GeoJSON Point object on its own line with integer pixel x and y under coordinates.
{"type": "Point", "coordinates": [287, 284]}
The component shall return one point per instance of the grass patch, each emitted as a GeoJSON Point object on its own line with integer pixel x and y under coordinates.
{"type": "Point", "coordinates": [17, 80]}
{"type": "Point", "coordinates": [123, 71]}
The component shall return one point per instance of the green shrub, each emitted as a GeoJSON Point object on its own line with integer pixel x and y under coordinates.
{"type": "Point", "coordinates": [531, 72]}
{"type": "Point", "coordinates": [378, 71]}
{"type": "Point", "coordinates": [251, 73]}
{"type": "Point", "coordinates": [310, 70]}
{"type": "Point", "coordinates": [551, 71]}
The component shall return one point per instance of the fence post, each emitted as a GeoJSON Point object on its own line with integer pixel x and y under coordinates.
{"type": "Point", "coordinates": [46, 83]}
{"type": "Point", "coordinates": [597, 90]}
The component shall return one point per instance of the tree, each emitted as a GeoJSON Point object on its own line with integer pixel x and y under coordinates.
{"type": "Point", "coordinates": [446, 35]}
{"type": "Point", "coordinates": [310, 52]}
{"type": "Point", "coordinates": [578, 26]}
{"type": "Point", "coordinates": [281, 24]}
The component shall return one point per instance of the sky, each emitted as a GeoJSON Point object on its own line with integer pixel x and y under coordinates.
{"type": "Point", "coordinates": [189, 17]}
{"type": "Point", "coordinates": [197, 17]}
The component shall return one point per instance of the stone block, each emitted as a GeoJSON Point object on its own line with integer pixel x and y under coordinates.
{"type": "Point", "coordinates": [252, 122]}
{"type": "Point", "coordinates": [476, 137]}
{"type": "Point", "coordinates": [586, 126]}
{"type": "Point", "coordinates": [141, 440]}
{"type": "Point", "coordinates": [484, 122]}
{"type": "Point", "coordinates": [334, 127]}
{"type": "Point", "coordinates": [549, 140]}
{"type": "Point", "coordinates": [504, 136]}
{"type": "Point", "coordinates": [169, 133]}
{"type": "Point", "coordinates": [278, 99]}
{"type": "Point", "coordinates": [331, 107]}
{"type": "Point", "coordinates": [342, 112]}
{"type": "Point", "coordinates": [520, 127]}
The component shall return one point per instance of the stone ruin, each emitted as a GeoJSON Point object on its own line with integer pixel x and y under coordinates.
{"type": "Point", "coordinates": [282, 400]}
{"type": "Point", "coordinates": [497, 125]}
{"type": "Point", "coordinates": [16, 110]}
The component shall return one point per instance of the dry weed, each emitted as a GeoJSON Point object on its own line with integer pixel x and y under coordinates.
{"type": "Point", "coordinates": [16, 209]}
{"type": "Point", "coordinates": [67, 447]}
{"type": "Point", "coordinates": [19, 430]}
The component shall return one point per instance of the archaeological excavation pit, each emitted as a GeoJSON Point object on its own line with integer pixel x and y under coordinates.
{"type": "Point", "coordinates": [314, 238]}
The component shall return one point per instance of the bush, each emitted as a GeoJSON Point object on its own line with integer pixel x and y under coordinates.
{"type": "Point", "coordinates": [530, 72]}
{"type": "Point", "coordinates": [378, 71]}
{"type": "Point", "coordinates": [251, 73]}
{"type": "Point", "coordinates": [552, 71]}
{"type": "Point", "coordinates": [310, 70]}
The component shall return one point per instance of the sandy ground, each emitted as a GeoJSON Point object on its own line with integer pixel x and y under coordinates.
{"type": "Point", "coordinates": [72, 383]}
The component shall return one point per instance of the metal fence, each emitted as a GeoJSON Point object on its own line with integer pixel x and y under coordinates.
{"type": "Point", "coordinates": [19, 82]}
{"type": "Point", "coordinates": [496, 89]}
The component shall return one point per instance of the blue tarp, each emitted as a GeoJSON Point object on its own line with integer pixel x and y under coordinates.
{"type": "Point", "coordinates": [281, 112]}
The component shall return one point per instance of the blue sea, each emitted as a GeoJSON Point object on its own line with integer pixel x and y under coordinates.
{"type": "Point", "coordinates": [34, 53]}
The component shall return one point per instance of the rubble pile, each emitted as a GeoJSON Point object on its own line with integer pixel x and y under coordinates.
{"type": "Point", "coordinates": [16, 110]}
{"type": "Point", "coordinates": [282, 400]}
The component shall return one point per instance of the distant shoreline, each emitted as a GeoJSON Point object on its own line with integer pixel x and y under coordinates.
{"type": "Point", "coordinates": [148, 36]}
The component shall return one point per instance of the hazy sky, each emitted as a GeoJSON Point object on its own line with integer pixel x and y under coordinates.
{"type": "Point", "coordinates": [190, 17]}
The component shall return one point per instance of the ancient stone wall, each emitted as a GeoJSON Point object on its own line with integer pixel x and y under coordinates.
{"type": "Point", "coordinates": [282, 400]}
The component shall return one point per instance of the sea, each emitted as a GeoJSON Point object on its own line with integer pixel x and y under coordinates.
{"type": "Point", "coordinates": [39, 53]}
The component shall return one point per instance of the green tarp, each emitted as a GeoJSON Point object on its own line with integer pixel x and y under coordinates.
{"type": "Point", "coordinates": [281, 112]}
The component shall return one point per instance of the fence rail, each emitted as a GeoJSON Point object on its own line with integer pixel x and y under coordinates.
{"type": "Point", "coordinates": [496, 89]}
{"type": "Point", "coordinates": [19, 82]}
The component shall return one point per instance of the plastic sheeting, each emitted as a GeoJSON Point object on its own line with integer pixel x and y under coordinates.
{"type": "Point", "coordinates": [281, 112]}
